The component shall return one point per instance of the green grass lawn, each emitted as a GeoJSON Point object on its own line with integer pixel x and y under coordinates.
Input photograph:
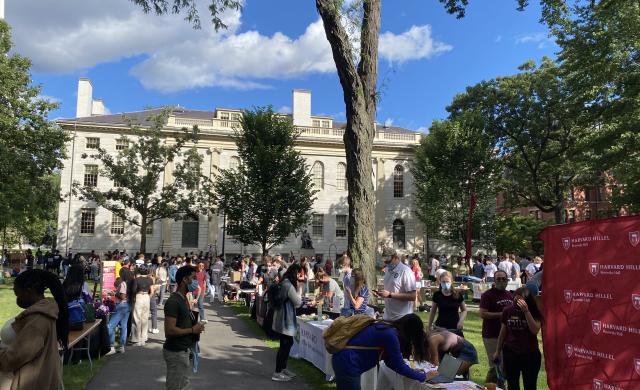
{"type": "Point", "coordinates": [315, 378]}
{"type": "Point", "coordinates": [75, 376]}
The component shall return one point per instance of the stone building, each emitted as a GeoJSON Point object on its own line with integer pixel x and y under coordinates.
{"type": "Point", "coordinates": [82, 226]}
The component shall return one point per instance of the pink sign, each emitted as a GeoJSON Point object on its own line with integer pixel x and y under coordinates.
{"type": "Point", "coordinates": [108, 275]}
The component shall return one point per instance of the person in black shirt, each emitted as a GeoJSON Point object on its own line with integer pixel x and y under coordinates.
{"type": "Point", "coordinates": [449, 305]}
{"type": "Point", "coordinates": [179, 330]}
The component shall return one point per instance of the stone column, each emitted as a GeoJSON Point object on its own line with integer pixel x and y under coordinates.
{"type": "Point", "coordinates": [381, 233]}
{"type": "Point", "coordinates": [167, 223]}
{"type": "Point", "coordinates": [213, 230]}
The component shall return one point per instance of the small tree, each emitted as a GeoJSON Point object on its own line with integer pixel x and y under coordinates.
{"type": "Point", "coordinates": [139, 195]}
{"type": "Point", "coordinates": [518, 234]}
{"type": "Point", "coordinates": [453, 161]}
{"type": "Point", "coordinates": [269, 196]}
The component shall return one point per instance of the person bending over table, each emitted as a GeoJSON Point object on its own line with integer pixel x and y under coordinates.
{"type": "Point", "coordinates": [330, 291]}
{"type": "Point", "coordinates": [449, 305]}
{"type": "Point", "coordinates": [390, 341]}
{"type": "Point", "coordinates": [441, 342]}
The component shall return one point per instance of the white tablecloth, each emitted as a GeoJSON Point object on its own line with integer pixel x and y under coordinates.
{"type": "Point", "coordinates": [389, 379]}
{"type": "Point", "coordinates": [308, 344]}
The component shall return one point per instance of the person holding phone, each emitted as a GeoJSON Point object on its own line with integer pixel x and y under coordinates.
{"type": "Point", "coordinates": [399, 291]}
{"type": "Point", "coordinates": [518, 341]}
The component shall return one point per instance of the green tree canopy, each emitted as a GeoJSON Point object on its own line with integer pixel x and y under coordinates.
{"type": "Point", "coordinates": [519, 235]}
{"type": "Point", "coordinates": [270, 195]}
{"type": "Point", "coordinates": [31, 146]}
{"type": "Point", "coordinates": [452, 161]}
{"type": "Point", "coordinates": [140, 194]}
{"type": "Point", "coordinates": [536, 130]}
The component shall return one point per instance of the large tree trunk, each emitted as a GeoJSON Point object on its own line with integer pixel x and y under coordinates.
{"type": "Point", "coordinates": [143, 234]}
{"type": "Point", "coordinates": [359, 89]}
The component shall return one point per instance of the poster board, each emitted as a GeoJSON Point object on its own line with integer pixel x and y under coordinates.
{"type": "Point", "coordinates": [591, 304]}
{"type": "Point", "coordinates": [108, 275]}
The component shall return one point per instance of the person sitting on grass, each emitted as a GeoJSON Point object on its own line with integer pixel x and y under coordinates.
{"type": "Point", "coordinates": [40, 331]}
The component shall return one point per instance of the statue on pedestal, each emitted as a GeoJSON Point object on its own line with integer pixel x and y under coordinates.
{"type": "Point", "coordinates": [306, 240]}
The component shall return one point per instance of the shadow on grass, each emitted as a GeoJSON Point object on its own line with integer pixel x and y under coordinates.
{"type": "Point", "coordinates": [305, 370]}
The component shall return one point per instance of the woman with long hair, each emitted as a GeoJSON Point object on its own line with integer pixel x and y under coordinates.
{"type": "Point", "coordinates": [75, 286]}
{"type": "Point", "coordinates": [518, 341]}
{"type": "Point", "coordinates": [390, 341]}
{"type": "Point", "coordinates": [359, 297]}
{"type": "Point", "coordinates": [40, 330]}
{"type": "Point", "coordinates": [449, 306]}
{"type": "Point", "coordinates": [285, 322]}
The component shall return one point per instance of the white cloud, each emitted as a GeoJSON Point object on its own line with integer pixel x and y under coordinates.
{"type": "Point", "coordinates": [388, 122]}
{"type": "Point", "coordinates": [62, 37]}
{"type": "Point", "coordinates": [498, 39]}
{"type": "Point", "coordinates": [540, 39]}
{"type": "Point", "coordinates": [423, 129]}
{"type": "Point", "coordinates": [414, 44]}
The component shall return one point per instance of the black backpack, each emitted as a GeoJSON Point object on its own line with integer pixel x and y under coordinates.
{"type": "Point", "coordinates": [276, 296]}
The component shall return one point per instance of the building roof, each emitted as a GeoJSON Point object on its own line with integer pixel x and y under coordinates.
{"type": "Point", "coordinates": [143, 118]}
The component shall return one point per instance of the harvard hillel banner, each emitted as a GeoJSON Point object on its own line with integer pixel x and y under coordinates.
{"type": "Point", "coordinates": [591, 304]}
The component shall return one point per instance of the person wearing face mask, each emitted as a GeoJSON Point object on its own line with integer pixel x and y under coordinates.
{"type": "Point", "coordinates": [518, 341]}
{"type": "Point", "coordinates": [449, 307]}
{"type": "Point", "coordinates": [399, 291]}
{"type": "Point", "coordinates": [492, 303]}
{"type": "Point", "coordinates": [39, 331]}
{"type": "Point", "coordinates": [180, 330]}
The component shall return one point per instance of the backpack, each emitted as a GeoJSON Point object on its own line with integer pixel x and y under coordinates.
{"type": "Point", "coordinates": [276, 296]}
{"type": "Point", "coordinates": [77, 315]}
{"type": "Point", "coordinates": [337, 335]}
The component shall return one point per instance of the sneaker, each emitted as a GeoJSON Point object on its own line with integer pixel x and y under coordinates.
{"type": "Point", "coordinates": [288, 373]}
{"type": "Point", "coordinates": [155, 331]}
{"type": "Point", "coordinates": [112, 351]}
{"type": "Point", "coordinates": [205, 321]}
{"type": "Point", "coordinates": [280, 377]}
{"type": "Point", "coordinates": [120, 350]}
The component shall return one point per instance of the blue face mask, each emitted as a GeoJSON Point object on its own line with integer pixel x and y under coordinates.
{"type": "Point", "coordinates": [193, 286]}
{"type": "Point", "coordinates": [391, 267]}
{"type": "Point", "coordinates": [446, 285]}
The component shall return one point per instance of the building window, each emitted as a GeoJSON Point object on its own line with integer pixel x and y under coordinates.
{"type": "Point", "coordinates": [236, 117]}
{"type": "Point", "coordinates": [224, 116]}
{"type": "Point", "coordinates": [315, 123]}
{"type": "Point", "coordinates": [90, 175]}
{"type": "Point", "coordinates": [317, 172]}
{"type": "Point", "coordinates": [399, 234]}
{"type": "Point", "coordinates": [116, 184]}
{"type": "Point", "coordinates": [587, 214]}
{"type": "Point", "coordinates": [234, 163]}
{"type": "Point", "coordinates": [93, 143]}
{"type": "Point", "coordinates": [122, 144]}
{"type": "Point", "coordinates": [317, 225]}
{"type": "Point", "coordinates": [88, 221]}
{"type": "Point", "coordinates": [398, 181]}
{"type": "Point", "coordinates": [325, 124]}
{"type": "Point", "coordinates": [117, 224]}
{"type": "Point", "coordinates": [190, 228]}
{"type": "Point", "coordinates": [150, 229]}
{"type": "Point", "coordinates": [341, 177]}
{"type": "Point", "coordinates": [587, 194]}
{"type": "Point", "coordinates": [341, 226]}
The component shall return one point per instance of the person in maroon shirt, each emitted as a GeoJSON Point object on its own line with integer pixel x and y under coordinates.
{"type": "Point", "coordinates": [518, 341]}
{"type": "Point", "coordinates": [492, 303]}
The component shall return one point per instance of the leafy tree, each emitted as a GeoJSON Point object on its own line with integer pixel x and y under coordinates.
{"type": "Point", "coordinates": [518, 234]}
{"type": "Point", "coordinates": [537, 133]}
{"type": "Point", "coordinates": [139, 194]}
{"type": "Point", "coordinates": [454, 160]}
{"type": "Point", "coordinates": [31, 146]}
{"type": "Point", "coordinates": [269, 196]}
{"type": "Point", "coordinates": [600, 42]}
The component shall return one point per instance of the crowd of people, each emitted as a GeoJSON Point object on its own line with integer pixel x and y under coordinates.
{"type": "Point", "coordinates": [181, 284]}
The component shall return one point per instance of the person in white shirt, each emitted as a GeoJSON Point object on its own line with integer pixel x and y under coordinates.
{"type": "Point", "coordinates": [435, 264]}
{"type": "Point", "coordinates": [506, 265]}
{"type": "Point", "coordinates": [489, 270]}
{"type": "Point", "coordinates": [399, 291]}
{"type": "Point", "coordinates": [533, 267]}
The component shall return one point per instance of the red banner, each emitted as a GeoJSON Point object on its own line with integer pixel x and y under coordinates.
{"type": "Point", "coordinates": [591, 304]}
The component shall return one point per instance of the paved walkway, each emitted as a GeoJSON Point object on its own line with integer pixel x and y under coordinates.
{"type": "Point", "coordinates": [231, 357]}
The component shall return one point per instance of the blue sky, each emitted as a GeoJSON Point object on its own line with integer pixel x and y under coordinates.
{"type": "Point", "coordinates": [135, 60]}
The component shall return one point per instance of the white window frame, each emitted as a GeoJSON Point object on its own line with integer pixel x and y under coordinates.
{"type": "Point", "coordinates": [341, 226]}
{"type": "Point", "coordinates": [317, 171]}
{"type": "Point", "coordinates": [122, 143]}
{"type": "Point", "coordinates": [92, 143]}
{"type": "Point", "coordinates": [117, 225]}
{"type": "Point", "coordinates": [317, 225]}
{"type": "Point", "coordinates": [341, 176]}
{"type": "Point", "coordinates": [90, 177]}
{"type": "Point", "coordinates": [92, 221]}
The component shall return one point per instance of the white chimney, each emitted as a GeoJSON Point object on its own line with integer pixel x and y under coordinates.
{"type": "Point", "coordinates": [97, 108]}
{"type": "Point", "coordinates": [1, 9]}
{"type": "Point", "coordinates": [301, 107]}
{"type": "Point", "coordinates": [85, 98]}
